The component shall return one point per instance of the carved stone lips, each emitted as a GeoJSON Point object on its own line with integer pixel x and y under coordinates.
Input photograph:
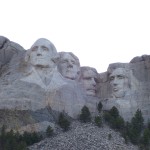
{"type": "Point", "coordinates": [91, 90]}
{"type": "Point", "coordinates": [115, 89]}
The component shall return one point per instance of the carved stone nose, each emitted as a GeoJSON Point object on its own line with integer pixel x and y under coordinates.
{"type": "Point", "coordinates": [70, 64]}
{"type": "Point", "coordinates": [39, 54]}
{"type": "Point", "coordinates": [93, 82]}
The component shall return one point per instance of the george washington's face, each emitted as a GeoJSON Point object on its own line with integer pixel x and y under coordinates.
{"type": "Point", "coordinates": [119, 82]}
{"type": "Point", "coordinates": [68, 67]}
{"type": "Point", "coordinates": [42, 54]}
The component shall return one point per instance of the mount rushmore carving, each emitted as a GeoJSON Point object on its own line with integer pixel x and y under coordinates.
{"type": "Point", "coordinates": [37, 84]}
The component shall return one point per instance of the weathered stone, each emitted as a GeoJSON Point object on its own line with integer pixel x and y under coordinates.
{"type": "Point", "coordinates": [33, 84]}
{"type": "Point", "coordinates": [8, 49]}
{"type": "Point", "coordinates": [85, 136]}
{"type": "Point", "coordinates": [88, 79]}
{"type": "Point", "coordinates": [40, 83]}
{"type": "Point", "coordinates": [69, 65]}
{"type": "Point", "coordinates": [127, 88]}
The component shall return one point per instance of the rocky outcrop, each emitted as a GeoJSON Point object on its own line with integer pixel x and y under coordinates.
{"type": "Point", "coordinates": [8, 49]}
{"type": "Point", "coordinates": [127, 86]}
{"type": "Point", "coordinates": [84, 136]}
{"type": "Point", "coordinates": [32, 86]}
{"type": "Point", "coordinates": [37, 84]}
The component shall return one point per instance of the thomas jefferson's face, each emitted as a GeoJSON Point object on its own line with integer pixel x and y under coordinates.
{"type": "Point", "coordinates": [41, 54]}
{"type": "Point", "coordinates": [88, 80]}
{"type": "Point", "coordinates": [119, 82]}
{"type": "Point", "coordinates": [68, 66]}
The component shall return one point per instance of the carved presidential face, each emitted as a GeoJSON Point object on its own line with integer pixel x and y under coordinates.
{"type": "Point", "coordinates": [68, 66]}
{"type": "Point", "coordinates": [119, 82]}
{"type": "Point", "coordinates": [88, 80]}
{"type": "Point", "coordinates": [42, 54]}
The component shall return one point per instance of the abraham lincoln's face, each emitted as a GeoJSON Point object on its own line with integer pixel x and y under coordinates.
{"type": "Point", "coordinates": [119, 82]}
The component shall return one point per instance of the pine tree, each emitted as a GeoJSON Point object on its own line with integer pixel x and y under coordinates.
{"type": "Point", "coordinates": [3, 137]}
{"type": "Point", "coordinates": [85, 115]}
{"type": "Point", "coordinates": [117, 123]}
{"type": "Point", "coordinates": [146, 137]}
{"type": "Point", "coordinates": [138, 121]}
{"type": "Point", "coordinates": [107, 116]}
{"type": "Point", "coordinates": [98, 121]}
{"type": "Point", "coordinates": [49, 131]}
{"type": "Point", "coordinates": [63, 122]}
{"type": "Point", "coordinates": [136, 127]}
{"type": "Point", "coordinates": [114, 112]}
{"type": "Point", "coordinates": [99, 107]}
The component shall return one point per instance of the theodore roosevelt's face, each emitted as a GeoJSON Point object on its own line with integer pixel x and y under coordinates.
{"type": "Point", "coordinates": [68, 66]}
{"type": "Point", "coordinates": [88, 81]}
{"type": "Point", "coordinates": [119, 81]}
{"type": "Point", "coordinates": [42, 54]}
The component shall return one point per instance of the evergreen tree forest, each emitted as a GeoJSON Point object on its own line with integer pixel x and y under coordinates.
{"type": "Point", "coordinates": [14, 141]}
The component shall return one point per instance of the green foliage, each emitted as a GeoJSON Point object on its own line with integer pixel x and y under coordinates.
{"type": "Point", "coordinates": [113, 119]}
{"type": "Point", "coordinates": [98, 121]}
{"type": "Point", "coordinates": [15, 141]}
{"type": "Point", "coordinates": [109, 136]}
{"type": "Point", "coordinates": [85, 115]}
{"type": "Point", "coordinates": [49, 131]}
{"type": "Point", "coordinates": [99, 107]}
{"type": "Point", "coordinates": [114, 112]}
{"type": "Point", "coordinates": [136, 127]}
{"type": "Point", "coordinates": [107, 116]}
{"type": "Point", "coordinates": [63, 122]}
{"type": "Point", "coordinates": [3, 137]}
{"type": "Point", "coordinates": [117, 123]}
{"type": "Point", "coordinates": [148, 124]}
{"type": "Point", "coordinates": [138, 121]}
{"type": "Point", "coordinates": [31, 138]}
{"type": "Point", "coordinates": [145, 139]}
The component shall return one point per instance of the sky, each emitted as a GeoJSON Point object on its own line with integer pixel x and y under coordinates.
{"type": "Point", "coordinates": [98, 32]}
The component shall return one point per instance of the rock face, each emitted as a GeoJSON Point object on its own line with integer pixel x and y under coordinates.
{"type": "Point", "coordinates": [69, 65]}
{"type": "Point", "coordinates": [37, 84]}
{"type": "Point", "coordinates": [8, 49]}
{"type": "Point", "coordinates": [31, 84]}
{"type": "Point", "coordinates": [126, 86]}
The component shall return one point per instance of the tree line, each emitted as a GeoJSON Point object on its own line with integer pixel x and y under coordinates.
{"type": "Point", "coordinates": [134, 131]}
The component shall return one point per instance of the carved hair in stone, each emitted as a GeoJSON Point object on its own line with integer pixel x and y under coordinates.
{"type": "Point", "coordinates": [88, 79]}
{"type": "Point", "coordinates": [42, 54]}
{"type": "Point", "coordinates": [122, 82]}
{"type": "Point", "coordinates": [69, 65]}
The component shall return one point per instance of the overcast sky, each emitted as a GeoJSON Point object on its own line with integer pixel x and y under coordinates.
{"type": "Point", "coordinates": [98, 32]}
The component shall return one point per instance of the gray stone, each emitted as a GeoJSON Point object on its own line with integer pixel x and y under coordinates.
{"type": "Point", "coordinates": [8, 49]}
{"type": "Point", "coordinates": [126, 86]}
{"type": "Point", "coordinates": [37, 84]}
{"type": "Point", "coordinates": [88, 79]}
{"type": "Point", "coordinates": [31, 83]}
{"type": "Point", "coordinates": [69, 65]}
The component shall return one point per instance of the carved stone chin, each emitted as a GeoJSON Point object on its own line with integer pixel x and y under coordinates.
{"type": "Point", "coordinates": [50, 81]}
{"type": "Point", "coordinates": [119, 94]}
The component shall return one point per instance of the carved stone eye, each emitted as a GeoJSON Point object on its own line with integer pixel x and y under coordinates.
{"type": "Point", "coordinates": [45, 48]}
{"type": "Point", "coordinates": [87, 78]}
{"type": "Point", "coordinates": [34, 48]}
{"type": "Point", "coordinates": [64, 61]}
{"type": "Point", "coordinates": [73, 62]}
{"type": "Point", "coordinates": [96, 80]}
{"type": "Point", "coordinates": [120, 77]}
{"type": "Point", "coordinates": [111, 78]}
